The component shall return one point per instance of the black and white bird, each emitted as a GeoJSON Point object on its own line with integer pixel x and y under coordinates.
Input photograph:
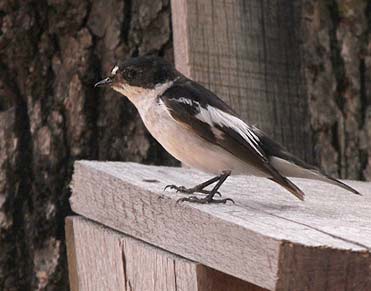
{"type": "Point", "coordinates": [203, 132]}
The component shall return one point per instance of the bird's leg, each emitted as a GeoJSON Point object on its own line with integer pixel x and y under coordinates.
{"type": "Point", "coordinates": [200, 188]}
{"type": "Point", "coordinates": [210, 196]}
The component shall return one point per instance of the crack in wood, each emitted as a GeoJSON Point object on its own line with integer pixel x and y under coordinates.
{"type": "Point", "coordinates": [175, 276]}
{"type": "Point", "coordinates": [126, 279]}
{"type": "Point", "coordinates": [319, 230]}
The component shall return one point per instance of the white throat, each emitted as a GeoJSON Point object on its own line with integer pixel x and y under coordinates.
{"type": "Point", "coordinates": [140, 96]}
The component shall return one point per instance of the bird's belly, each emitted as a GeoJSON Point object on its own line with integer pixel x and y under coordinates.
{"type": "Point", "coordinates": [194, 151]}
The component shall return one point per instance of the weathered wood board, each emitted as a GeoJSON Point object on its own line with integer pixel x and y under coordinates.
{"type": "Point", "coordinates": [268, 238]}
{"type": "Point", "coordinates": [248, 52]}
{"type": "Point", "coordinates": [102, 259]}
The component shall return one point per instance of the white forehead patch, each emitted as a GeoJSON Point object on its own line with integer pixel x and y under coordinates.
{"type": "Point", "coordinates": [114, 70]}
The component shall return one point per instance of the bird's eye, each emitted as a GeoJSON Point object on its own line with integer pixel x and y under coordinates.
{"type": "Point", "coordinates": [129, 74]}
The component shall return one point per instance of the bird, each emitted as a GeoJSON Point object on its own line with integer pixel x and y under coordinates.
{"type": "Point", "coordinates": [199, 129]}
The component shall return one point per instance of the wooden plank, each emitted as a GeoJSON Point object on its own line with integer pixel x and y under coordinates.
{"type": "Point", "coordinates": [71, 255]}
{"type": "Point", "coordinates": [248, 52]}
{"type": "Point", "coordinates": [324, 269]}
{"type": "Point", "coordinates": [102, 259]}
{"type": "Point", "coordinates": [246, 240]}
{"type": "Point", "coordinates": [94, 257]}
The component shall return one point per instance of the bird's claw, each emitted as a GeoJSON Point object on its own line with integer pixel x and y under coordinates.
{"type": "Point", "coordinates": [208, 192]}
{"type": "Point", "coordinates": [181, 189]}
{"type": "Point", "coordinates": [185, 190]}
{"type": "Point", "coordinates": [205, 200]}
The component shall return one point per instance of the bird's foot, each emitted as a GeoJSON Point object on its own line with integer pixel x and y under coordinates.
{"type": "Point", "coordinates": [205, 200]}
{"type": "Point", "coordinates": [192, 190]}
{"type": "Point", "coordinates": [181, 189]}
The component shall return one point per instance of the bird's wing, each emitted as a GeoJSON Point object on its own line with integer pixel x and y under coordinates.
{"type": "Point", "coordinates": [203, 112]}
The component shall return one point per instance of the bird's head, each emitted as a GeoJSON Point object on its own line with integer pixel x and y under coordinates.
{"type": "Point", "coordinates": [138, 77]}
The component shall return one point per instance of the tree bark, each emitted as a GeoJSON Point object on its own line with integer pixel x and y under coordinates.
{"type": "Point", "coordinates": [337, 64]}
{"type": "Point", "coordinates": [51, 53]}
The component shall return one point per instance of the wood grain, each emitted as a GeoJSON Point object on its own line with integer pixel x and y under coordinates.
{"type": "Point", "coordinates": [324, 269]}
{"type": "Point", "coordinates": [246, 240]}
{"type": "Point", "coordinates": [102, 259]}
{"type": "Point", "coordinates": [94, 257]}
{"type": "Point", "coordinates": [248, 52]}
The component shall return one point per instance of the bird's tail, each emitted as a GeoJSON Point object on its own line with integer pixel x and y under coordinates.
{"type": "Point", "coordinates": [291, 169]}
{"type": "Point", "coordinates": [331, 180]}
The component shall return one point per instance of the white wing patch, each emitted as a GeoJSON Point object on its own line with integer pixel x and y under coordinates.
{"type": "Point", "coordinates": [186, 101]}
{"type": "Point", "coordinates": [212, 116]}
{"type": "Point", "coordinates": [114, 70]}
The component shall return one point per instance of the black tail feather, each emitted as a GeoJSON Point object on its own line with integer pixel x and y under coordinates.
{"type": "Point", "coordinates": [289, 186]}
{"type": "Point", "coordinates": [341, 184]}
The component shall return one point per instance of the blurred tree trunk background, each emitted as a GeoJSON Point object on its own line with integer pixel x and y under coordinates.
{"type": "Point", "coordinates": [337, 64]}
{"type": "Point", "coordinates": [52, 52]}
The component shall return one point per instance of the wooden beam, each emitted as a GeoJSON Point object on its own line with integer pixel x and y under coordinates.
{"type": "Point", "coordinates": [248, 52]}
{"type": "Point", "coordinates": [94, 257]}
{"type": "Point", "coordinates": [102, 259]}
{"type": "Point", "coordinates": [265, 235]}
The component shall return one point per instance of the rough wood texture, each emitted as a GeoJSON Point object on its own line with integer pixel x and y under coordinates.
{"type": "Point", "coordinates": [268, 238]}
{"type": "Point", "coordinates": [102, 259]}
{"type": "Point", "coordinates": [248, 53]}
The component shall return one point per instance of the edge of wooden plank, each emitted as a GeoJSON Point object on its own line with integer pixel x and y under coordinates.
{"type": "Point", "coordinates": [71, 254]}
{"type": "Point", "coordinates": [179, 15]}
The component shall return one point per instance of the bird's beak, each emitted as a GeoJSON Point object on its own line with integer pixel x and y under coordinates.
{"type": "Point", "coordinates": [104, 82]}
